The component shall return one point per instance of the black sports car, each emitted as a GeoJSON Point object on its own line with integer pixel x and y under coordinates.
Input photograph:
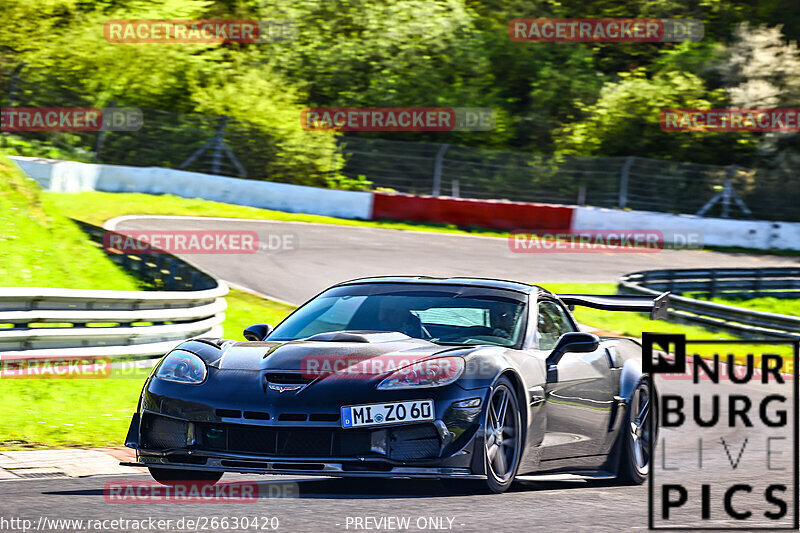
{"type": "Point", "coordinates": [406, 377]}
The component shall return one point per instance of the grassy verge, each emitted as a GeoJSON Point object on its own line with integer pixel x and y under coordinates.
{"type": "Point", "coordinates": [245, 309]}
{"type": "Point", "coordinates": [40, 247]}
{"type": "Point", "coordinates": [59, 413]}
{"type": "Point", "coordinates": [781, 306]}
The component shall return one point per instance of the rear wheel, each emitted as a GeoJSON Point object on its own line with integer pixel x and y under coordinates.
{"type": "Point", "coordinates": [172, 476]}
{"type": "Point", "coordinates": [635, 438]}
{"type": "Point", "coordinates": [503, 437]}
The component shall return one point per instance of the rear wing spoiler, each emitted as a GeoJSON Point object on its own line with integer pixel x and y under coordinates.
{"type": "Point", "coordinates": [657, 307]}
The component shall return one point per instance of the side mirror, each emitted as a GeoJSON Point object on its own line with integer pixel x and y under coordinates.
{"type": "Point", "coordinates": [257, 332]}
{"type": "Point", "coordinates": [574, 342]}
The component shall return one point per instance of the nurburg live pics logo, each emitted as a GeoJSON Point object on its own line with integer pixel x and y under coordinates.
{"type": "Point", "coordinates": [726, 457]}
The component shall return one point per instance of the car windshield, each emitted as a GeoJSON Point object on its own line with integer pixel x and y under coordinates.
{"type": "Point", "coordinates": [450, 315]}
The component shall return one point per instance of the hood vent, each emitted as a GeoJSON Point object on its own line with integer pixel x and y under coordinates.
{"type": "Point", "coordinates": [288, 378]}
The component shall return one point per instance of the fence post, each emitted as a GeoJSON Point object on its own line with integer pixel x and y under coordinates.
{"type": "Point", "coordinates": [12, 85]}
{"type": "Point", "coordinates": [623, 181]}
{"type": "Point", "coordinates": [216, 158]}
{"type": "Point", "coordinates": [582, 195]}
{"type": "Point", "coordinates": [437, 170]}
{"type": "Point", "coordinates": [101, 137]}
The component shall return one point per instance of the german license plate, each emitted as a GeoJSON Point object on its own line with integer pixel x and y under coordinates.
{"type": "Point", "coordinates": [379, 414]}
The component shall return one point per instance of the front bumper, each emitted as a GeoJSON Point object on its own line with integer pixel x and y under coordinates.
{"type": "Point", "coordinates": [168, 435]}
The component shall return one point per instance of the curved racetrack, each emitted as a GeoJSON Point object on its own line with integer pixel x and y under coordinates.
{"type": "Point", "coordinates": [327, 254]}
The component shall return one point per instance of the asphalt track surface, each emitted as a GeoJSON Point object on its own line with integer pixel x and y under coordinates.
{"type": "Point", "coordinates": [321, 255]}
{"type": "Point", "coordinates": [327, 254]}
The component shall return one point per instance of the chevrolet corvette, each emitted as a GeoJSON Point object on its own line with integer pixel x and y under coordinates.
{"type": "Point", "coordinates": [477, 380]}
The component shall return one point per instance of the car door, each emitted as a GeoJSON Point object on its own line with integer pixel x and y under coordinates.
{"type": "Point", "coordinates": [579, 396]}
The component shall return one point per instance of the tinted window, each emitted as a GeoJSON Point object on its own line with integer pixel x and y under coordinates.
{"type": "Point", "coordinates": [443, 315]}
{"type": "Point", "coordinates": [552, 323]}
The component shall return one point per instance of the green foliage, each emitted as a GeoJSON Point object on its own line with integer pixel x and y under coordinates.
{"type": "Point", "coordinates": [625, 120]}
{"type": "Point", "coordinates": [571, 98]}
{"type": "Point", "coordinates": [361, 183]}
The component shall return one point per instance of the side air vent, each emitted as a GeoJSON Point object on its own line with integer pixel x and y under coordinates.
{"type": "Point", "coordinates": [323, 417]}
{"type": "Point", "coordinates": [292, 417]}
{"type": "Point", "coordinates": [255, 415]}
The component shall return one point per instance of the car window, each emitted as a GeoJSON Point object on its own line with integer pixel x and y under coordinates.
{"type": "Point", "coordinates": [463, 316]}
{"type": "Point", "coordinates": [552, 322]}
{"type": "Point", "coordinates": [443, 315]}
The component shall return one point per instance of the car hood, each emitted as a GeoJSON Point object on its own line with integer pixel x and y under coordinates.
{"type": "Point", "coordinates": [366, 353]}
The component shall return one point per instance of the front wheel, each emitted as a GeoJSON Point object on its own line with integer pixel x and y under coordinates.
{"type": "Point", "coordinates": [502, 437]}
{"type": "Point", "coordinates": [172, 476]}
{"type": "Point", "coordinates": [635, 439]}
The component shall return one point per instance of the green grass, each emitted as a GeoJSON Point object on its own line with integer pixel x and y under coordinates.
{"type": "Point", "coordinates": [781, 306]}
{"type": "Point", "coordinates": [40, 247]}
{"type": "Point", "coordinates": [245, 309]}
{"type": "Point", "coordinates": [59, 413]}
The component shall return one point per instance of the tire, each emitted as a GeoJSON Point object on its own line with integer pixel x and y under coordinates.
{"type": "Point", "coordinates": [634, 459]}
{"type": "Point", "coordinates": [172, 476]}
{"type": "Point", "coordinates": [502, 437]}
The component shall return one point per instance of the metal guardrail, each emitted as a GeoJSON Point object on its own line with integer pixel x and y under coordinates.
{"type": "Point", "coordinates": [727, 283]}
{"type": "Point", "coordinates": [43, 322]}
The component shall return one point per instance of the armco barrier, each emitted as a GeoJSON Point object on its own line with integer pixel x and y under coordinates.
{"type": "Point", "coordinates": [730, 282]}
{"type": "Point", "coordinates": [113, 323]}
{"type": "Point", "coordinates": [494, 214]}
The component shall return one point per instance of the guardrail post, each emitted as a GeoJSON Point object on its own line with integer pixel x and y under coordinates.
{"type": "Point", "coordinates": [713, 284]}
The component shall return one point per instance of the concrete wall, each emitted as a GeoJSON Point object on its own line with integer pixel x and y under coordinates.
{"type": "Point", "coordinates": [464, 212]}
{"type": "Point", "coordinates": [69, 176]}
{"type": "Point", "coordinates": [756, 234]}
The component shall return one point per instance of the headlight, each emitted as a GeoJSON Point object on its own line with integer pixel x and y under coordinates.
{"type": "Point", "coordinates": [430, 373]}
{"type": "Point", "coordinates": [183, 367]}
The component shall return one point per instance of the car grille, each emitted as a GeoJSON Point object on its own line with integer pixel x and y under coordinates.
{"type": "Point", "coordinates": [290, 442]}
{"type": "Point", "coordinates": [413, 442]}
{"type": "Point", "coordinates": [402, 443]}
{"type": "Point", "coordinates": [161, 433]}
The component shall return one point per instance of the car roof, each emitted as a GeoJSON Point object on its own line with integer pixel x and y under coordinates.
{"type": "Point", "coordinates": [516, 286]}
